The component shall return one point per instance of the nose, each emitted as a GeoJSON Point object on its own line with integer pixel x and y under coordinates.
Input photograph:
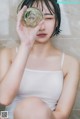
{"type": "Point", "coordinates": [42, 27]}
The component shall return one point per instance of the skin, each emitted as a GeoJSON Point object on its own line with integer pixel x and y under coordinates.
{"type": "Point", "coordinates": [33, 108]}
{"type": "Point", "coordinates": [33, 50]}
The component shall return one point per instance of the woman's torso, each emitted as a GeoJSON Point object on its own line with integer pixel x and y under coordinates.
{"type": "Point", "coordinates": [44, 84]}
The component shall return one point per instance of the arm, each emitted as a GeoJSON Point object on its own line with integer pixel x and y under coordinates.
{"type": "Point", "coordinates": [67, 99]}
{"type": "Point", "coordinates": [10, 82]}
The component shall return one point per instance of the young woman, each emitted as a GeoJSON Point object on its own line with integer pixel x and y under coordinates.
{"type": "Point", "coordinates": [38, 80]}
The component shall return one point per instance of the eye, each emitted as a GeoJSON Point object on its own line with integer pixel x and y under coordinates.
{"type": "Point", "coordinates": [49, 18]}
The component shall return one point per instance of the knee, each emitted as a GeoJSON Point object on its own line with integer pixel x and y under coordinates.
{"type": "Point", "coordinates": [32, 107]}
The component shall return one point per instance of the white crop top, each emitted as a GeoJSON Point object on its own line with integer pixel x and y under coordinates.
{"type": "Point", "coordinates": [46, 85]}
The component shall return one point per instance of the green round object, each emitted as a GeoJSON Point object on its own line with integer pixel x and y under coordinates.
{"type": "Point", "coordinates": [32, 17]}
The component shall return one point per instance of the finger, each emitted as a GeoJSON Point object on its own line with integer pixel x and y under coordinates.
{"type": "Point", "coordinates": [20, 14]}
{"type": "Point", "coordinates": [22, 10]}
{"type": "Point", "coordinates": [39, 25]}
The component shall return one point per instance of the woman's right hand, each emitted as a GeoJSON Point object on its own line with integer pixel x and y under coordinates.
{"type": "Point", "coordinates": [26, 34]}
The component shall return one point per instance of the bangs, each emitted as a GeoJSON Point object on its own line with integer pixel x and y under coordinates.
{"type": "Point", "coordinates": [47, 3]}
{"type": "Point", "coordinates": [29, 3]}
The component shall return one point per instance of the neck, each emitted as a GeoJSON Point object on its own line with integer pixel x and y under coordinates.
{"type": "Point", "coordinates": [41, 49]}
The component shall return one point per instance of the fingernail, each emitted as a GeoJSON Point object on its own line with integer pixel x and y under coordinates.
{"type": "Point", "coordinates": [25, 7]}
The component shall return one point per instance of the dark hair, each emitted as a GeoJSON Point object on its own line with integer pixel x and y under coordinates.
{"type": "Point", "coordinates": [29, 3]}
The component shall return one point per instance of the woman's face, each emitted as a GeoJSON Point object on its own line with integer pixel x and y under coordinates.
{"type": "Point", "coordinates": [48, 25]}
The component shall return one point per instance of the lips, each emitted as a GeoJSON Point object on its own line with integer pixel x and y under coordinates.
{"type": "Point", "coordinates": [41, 35]}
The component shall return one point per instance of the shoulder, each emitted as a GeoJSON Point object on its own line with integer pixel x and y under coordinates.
{"type": "Point", "coordinates": [71, 64]}
{"type": "Point", "coordinates": [6, 57]}
{"type": "Point", "coordinates": [7, 53]}
{"type": "Point", "coordinates": [71, 61]}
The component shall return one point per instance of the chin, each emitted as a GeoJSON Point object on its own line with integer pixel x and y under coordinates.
{"type": "Point", "coordinates": [42, 40]}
